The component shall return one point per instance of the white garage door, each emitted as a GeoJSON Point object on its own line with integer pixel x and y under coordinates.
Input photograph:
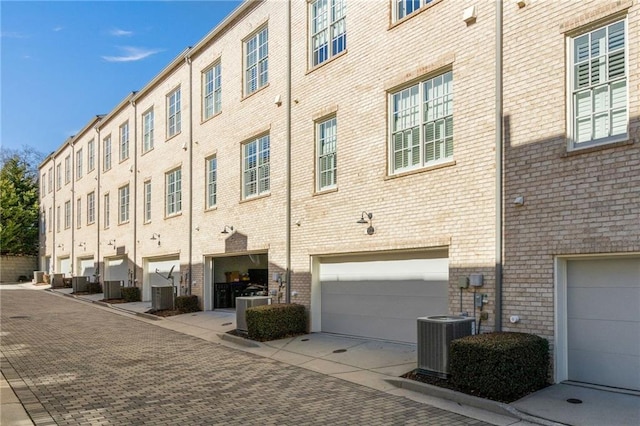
{"type": "Point", "coordinates": [157, 272]}
{"type": "Point", "coordinates": [65, 266]}
{"type": "Point", "coordinates": [603, 320]}
{"type": "Point", "coordinates": [117, 269]}
{"type": "Point", "coordinates": [382, 298]}
{"type": "Point", "coordinates": [86, 267]}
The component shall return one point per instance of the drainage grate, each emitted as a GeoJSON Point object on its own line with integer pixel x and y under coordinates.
{"type": "Point", "coordinates": [339, 351]}
{"type": "Point", "coordinates": [574, 401]}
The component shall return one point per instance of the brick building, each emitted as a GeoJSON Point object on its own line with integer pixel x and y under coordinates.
{"type": "Point", "coordinates": [352, 158]}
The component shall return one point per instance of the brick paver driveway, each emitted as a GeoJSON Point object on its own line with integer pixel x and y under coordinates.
{"type": "Point", "coordinates": [72, 363]}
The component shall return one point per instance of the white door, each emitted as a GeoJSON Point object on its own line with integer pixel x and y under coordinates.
{"type": "Point", "coordinates": [382, 298]}
{"type": "Point", "coordinates": [65, 266]}
{"type": "Point", "coordinates": [117, 269]}
{"type": "Point", "coordinates": [157, 274]}
{"type": "Point", "coordinates": [86, 268]}
{"type": "Point", "coordinates": [603, 321]}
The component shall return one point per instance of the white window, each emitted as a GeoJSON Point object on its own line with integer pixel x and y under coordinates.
{"type": "Point", "coordinates": [124, 141]}
{"type": "Point", "coordinates": [326, 137]}
{"type": "Point", "coordinates": [107, 153]}
{"type": "Point", "coordinates": [91, 155]}
{"type": "Point", "coordinates": [79, 213]}
{"type": "Point", "coordinates": [211, 91]}
{"type": "Point", "coordinates": [79, 164]}
{"type": "Point", "coordinates": [422, 124]}
{"type": "Point", "coordinates": [59, 176]}
{"type": "Point", "coordinates": [51, 219]}
{"type": "Point", "coordinates": [123, 204]}
{"type": "Point", "coordinates": [403, 8]}
{"type": "Point", "coordinates": [255, 165]}
{"type": "Point", "coordinates": [67, 170]}
{"type": "Point", "coordinates": [67, 214]}
{"type": "Point", "coordinates": [91, 207]}
{"type": "Point", "coordinates": [147, 131]}
{"type": "Point", "coordinates": [256, 61]}
{"type": "Point", "coordinates": [212, 182]}
{"type": "Point", "coordinates": [50, 180]}
{"type": "Point", "coordinates": [43, 184]}
{"type": "Point", "coordinates": [147, 201]}
{"type": "Point", "coordinates": [107, 211]}
{"type": "Point", "coordinates": [174, 192]}
{"type": "Point", "coordinates": [173, 113]}
{"type": "Point", "coordinates": [599, 107]}
{"type": "Point", "coordinates": [328, 29]}
{"type": "Point", "coordinates": [58, 218]}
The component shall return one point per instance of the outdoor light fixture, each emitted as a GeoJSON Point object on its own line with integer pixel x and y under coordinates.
{"type": "Point", "coordinates": [61, 245]}
{"type": "Point", "coordinates": [156, 236]}
{"type": "Point", "coordinates": [112, 242]}
{"type": "Point", "coordinates": [83, 245]}
{"type": "Point", "coordinates": [367, 221]}
{"type": "Point", "coordinates": [226, 229]}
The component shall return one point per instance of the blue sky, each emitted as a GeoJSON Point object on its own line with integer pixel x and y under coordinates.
{"type": "Point", "coordinates": [63, 62]}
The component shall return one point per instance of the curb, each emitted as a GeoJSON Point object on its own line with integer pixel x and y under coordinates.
{"type": "Point", "coordinates": [238, 340]}
{"type": "Point", "coordinates": [470, 400]}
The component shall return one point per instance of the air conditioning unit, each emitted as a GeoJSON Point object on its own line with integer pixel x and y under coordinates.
{"type": "Point", "coordinates": [79, 284]}
{"type": "Point", "coordinates": [244, 303]}
{"type": "Point", "coordinates": [112, 289]}
{"type": "Point", "coordinates": [435, 333]}
{"type": "Point", "coordinates": [162, 297]}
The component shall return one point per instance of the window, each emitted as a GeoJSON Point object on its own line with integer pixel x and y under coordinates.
{"type": "Point", "coordinates": [147, 201]}
{"type": "Point", "coordinates": [599, 108]}
{"type": "Point", "coordinates": [79, 164]}
{"type": "Point", "coordinates": [147, 131]}
{"type": "Point", "coordinates": [173, 113]}
{"type": "Point", "coordinates": [124, 141]}
{"type": "Point", "coordinates": [326, 136]}
{"type": "Point", "coordinates": [256, 167]}
{"type": "Point", "coordinates": [58, 176]}
{"type": "Point", "coordinates": [67, 170]}
{"type": "Point", "coordinates": [43, 183]}
{"type": "Point", "coordinates": [107, 211]}
{"type": "Point", "coordinates": [328, 30]}
{"type": "Point", "coordinates": [67, 214]}
{"type": "Point", "coordinates": [51, 219]}
{"type": "Point", "coordinates": [422, 124]}
{"type": "Point", "coordinates": [107, 153]}
{"type": "Point", "coordinates": [50, 180]}
{"type": "Point", "coordinates": [58, 218]}
{"type": "Point", "coordinates": [212, 182]}
{"type": "Point", "coordinates": [211, 91]}
{"type": "Point", "coordinates": [91, 156]}
{"type": "Point", "coordinates": [123, 204]}
{"type": "Point", "coordinates": [79, 213]}
{"type": "Point", "coordinates": [91, 208]}
{"type": "Point", "coordinates": [174, 192]}
{"type": "Point", "coordinates": [407, 7]}
{"type": "Point", "coordinates": [256, 61]}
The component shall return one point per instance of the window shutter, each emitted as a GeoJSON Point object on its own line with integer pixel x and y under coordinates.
{"type": "Point", "coordinates": [397, 148]}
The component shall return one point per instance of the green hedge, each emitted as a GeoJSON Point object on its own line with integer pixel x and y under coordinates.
{"type": "Point", "coordinates": [500, 366]}
{"type": "Point", "coordinates": [131, 294]}
{"type": "Point", "coordinates": [271, 322]}
{"type": "Point", "coordinates": [186, 304]}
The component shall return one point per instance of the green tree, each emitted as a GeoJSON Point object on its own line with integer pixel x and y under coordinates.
{"type": "Point", "coordinates": [19, 206]}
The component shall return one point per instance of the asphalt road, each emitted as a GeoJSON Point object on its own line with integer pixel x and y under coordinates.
{"type": "Point", "coordinates": [71, 363]}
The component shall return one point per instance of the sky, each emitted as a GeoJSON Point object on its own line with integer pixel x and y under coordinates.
{"type": "Point", "coordinates": [64, 62]}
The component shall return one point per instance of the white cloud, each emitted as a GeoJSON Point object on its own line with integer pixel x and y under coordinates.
{"type": "Point", "coordinates": [12, 34]}
{"type": "Point", "coordinates": [131, 54]}
{"type": "Point", "coordinates": [58, 28]}
{"type": "Point", "coordinates": [117, 32]}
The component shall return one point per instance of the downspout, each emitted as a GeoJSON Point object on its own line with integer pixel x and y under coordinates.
{"type": "Point", "coordinates": [74, 213]}
{"type": "Point", "coordinates": [99, 207]}
{"type": "Point", "coordinates": [135, 189]}
{"type": "Point", "coordinates": [288, 148]}
{"type": "Point", "coordinates": [499, 177]}
{"type": "Point", "coordinates": [190, 267]}
{"type": "Point", "coordinates": [53, 264]}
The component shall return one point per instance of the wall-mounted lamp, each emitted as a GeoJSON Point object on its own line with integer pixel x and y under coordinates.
{"type": "Point", "coordinates": [83, 245]}
{"type": "Point", "coordinates": [112, 242]}
{"type": "Point", "coordinates": [227, 229]}
{"type": "Point", "coordinates": [518, 201]}
{"type": "Point", "coordinates": [156, 236]}
{"type": "Point", "coordinates": [367, 221]}
{"type": "Point", "coordinates": [61, 246]}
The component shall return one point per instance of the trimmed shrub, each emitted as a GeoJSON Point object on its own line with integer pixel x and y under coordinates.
{"type": "Point", "coordinates": [131, 294]}
{"type": "Point", "coordinates": [501, 366]}
{"type": "Point", "coordinates": [271, 322]}
{"type": "Point", "coordinates": [186, 304]}
{"type": "Point", "coordinates": [94, 288]}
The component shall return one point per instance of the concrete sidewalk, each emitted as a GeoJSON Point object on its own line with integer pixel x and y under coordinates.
{"type": "Point", "coordinates": [378, 364]}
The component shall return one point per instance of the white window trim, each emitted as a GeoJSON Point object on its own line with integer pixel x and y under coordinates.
{"type": "Point", "coordinates": [259, 62]}
{"type": "Point", "coordinates": [124, 141]}
{"type": "Point", "coordinates": [79, 171]}
{"type": "Point", "coordinates": [397, 9]}
{"type": "Point", "coordinates": [572, 144]}
{"type": "Point", "coordinates": [67, 170]}
{"type": "Point", "coordinates": [174, 121]}
{"type": "Point", "coordinates": [107, 160]}
{"type": "Point", "coordinates": [173, 191]}
{"type": "Point", "coordinates": [212, 182]}
{"type": "Point", "coordinates": [124, 198]}
{"type": "Point", "coordinates": [79, 213]}
{"type": "Point", "coordinates": [91, 155]}
{"type": "Point", "coordinates": [147, 130]}
{"type": "Point", "coordinates": [261, 168]}
{"type": "Point", "coordinates": [91, 208]}
{"type": "Point", "coordinates": [147, 201]}
{"type": "Point", "coordinates": [331, 26]}
{"type": "Point", "coordinates": [67, 214]}
{"type": "Point", "coordinates": [107, 211]}
{"type": "Point", "coordinates": [214, 96]}
{"type": "Point", "coordinates": [320, 156]}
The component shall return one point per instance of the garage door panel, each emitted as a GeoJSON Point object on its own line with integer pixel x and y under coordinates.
{"type": "Point", "coordinates": [605, 303]}
{"type": "Point", "coordinates": [621, 371]}
{"type": "Point", "coordinates": [382, 306]}
{"type": "Point", "coordinates": [387, 288]}
{"type": "Point", "coordinates": [599, 272]}
{"type": "Point", "coordinates": [615, 337]}
{"type": "Point", "coordinates": [395, 329]}
{"type": "Point", "coordinates": [86, 267]}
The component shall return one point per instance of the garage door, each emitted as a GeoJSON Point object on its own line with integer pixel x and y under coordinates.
{"type": "Point", "coordinates": [157, 272]}
{"type": "Point", "coordinates": [86, 267]}
{"type": "Point", "coordinates": [382, 297]}
{"type": "Point", "coordinates": [65, 266]}
{"type": "Point", "coordinates": [117, 269]}
{"type": "Point", "coordinates": [603, 320]}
